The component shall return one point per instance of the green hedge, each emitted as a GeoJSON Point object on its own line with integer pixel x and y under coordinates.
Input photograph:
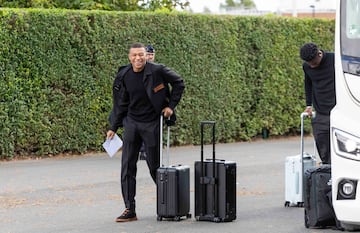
{"type": "Point", "coordinates": [57, 69]}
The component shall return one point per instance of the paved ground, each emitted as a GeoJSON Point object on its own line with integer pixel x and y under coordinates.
{"type": "Point", "coordinates": [82, 194]}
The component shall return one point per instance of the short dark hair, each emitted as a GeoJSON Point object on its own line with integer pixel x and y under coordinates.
{"type": "Point", "coordinates": [150, 49]}
{"type": "Point", "coordinates": [308, 51]}
{"type": "Point", "coordinates": [137, 45]}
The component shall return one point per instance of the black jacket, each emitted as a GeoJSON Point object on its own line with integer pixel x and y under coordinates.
{"type": "Point", "coordinates": [157, 78]}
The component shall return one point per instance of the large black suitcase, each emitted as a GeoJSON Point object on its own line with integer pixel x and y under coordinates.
{"type": "Point", "coordinates": [173, 187]}
{"type": "Point", "coordinates": [319, 212]}
{"type": "Point", "coordinates": [215, 185]}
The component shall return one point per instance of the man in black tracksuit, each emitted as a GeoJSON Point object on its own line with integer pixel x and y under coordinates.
{"type": "Point", "coordinates": [141, 93]}
{"type": "Point", "coordinates": [319, 72]}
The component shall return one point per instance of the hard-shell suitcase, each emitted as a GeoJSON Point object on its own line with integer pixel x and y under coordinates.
{"type": "Point", "coordinates": [293, 181]}
{"type": "Point", "coordinates": [295, 167]}
{"type": "Point", "coordinates": [318, 212]}
{"type": "Point", "coordinates": [173, 186]}
{"type": "Point", "coordinates": [215, 185]}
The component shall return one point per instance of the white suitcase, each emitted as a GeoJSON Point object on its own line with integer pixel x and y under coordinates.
{"type": "Point", "coordinates": [293, 178]}
{"type": "Point", "coordinates": [295, 167]}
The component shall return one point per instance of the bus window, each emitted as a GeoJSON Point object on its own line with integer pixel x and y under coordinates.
{"type": "Point", "coordinates": [353, 19]}
{"type": "Point", "coordinates": [350, 30]}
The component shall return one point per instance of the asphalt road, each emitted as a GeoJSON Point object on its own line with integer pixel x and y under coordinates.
{"type": "Point", "coordinates": [82, 194]}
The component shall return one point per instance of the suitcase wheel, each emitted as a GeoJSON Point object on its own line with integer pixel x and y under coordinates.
{"type": "Point", "coordinates": [188, 215]}
{"type": "Point", "coordinates": [300, 204]}
{"type": "Point", "coordinates": [159, 218]}
{"type": "Point", "coordinates": [287, 204]}
{"type": "Point", "coordinates": [216, 219]}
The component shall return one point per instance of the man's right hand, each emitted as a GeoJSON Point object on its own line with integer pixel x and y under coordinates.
{"type": "Point", "coordinates": [110, 134]}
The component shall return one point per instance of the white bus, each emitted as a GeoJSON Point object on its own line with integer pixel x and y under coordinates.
{"type": "Point", "coordinates": [345, 117]}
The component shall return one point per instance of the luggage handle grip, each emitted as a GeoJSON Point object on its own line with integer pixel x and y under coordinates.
{"type": "Point", "coordinates": [221, 160]}
{"type": "Point", "coordinates": [306, 114]}
{"type": "Point", "coordinates": [208, 123]}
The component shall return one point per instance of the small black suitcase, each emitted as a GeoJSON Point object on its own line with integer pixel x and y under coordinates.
{"type": "Point", "coordinates": [319, 212]}
{"type": "Point", "coordinates": [215, 185]}
{"type": "Point", "coordinates": [173, 187]}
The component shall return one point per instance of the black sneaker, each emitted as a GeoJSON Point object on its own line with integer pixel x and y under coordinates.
{"type": "Point", "coordinates": [127, 216]}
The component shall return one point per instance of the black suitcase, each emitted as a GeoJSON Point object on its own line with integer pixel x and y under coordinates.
{"type": "Point", "coordinates": [215, 185]}
{"type": "Point", "coordinates": [319, 212]}
{"type": "Point", "coordinates": [173, 187]}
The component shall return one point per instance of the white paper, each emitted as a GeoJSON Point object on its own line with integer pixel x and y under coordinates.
{"type": "Point", "coordinates": [113, 145]}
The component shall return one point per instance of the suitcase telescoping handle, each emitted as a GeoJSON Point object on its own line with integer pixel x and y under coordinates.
{"type": "Point", "coordinates": [203, 179]}
{"type": "Point", "coordinates": [161, 142]}
{"type": "Point", "coordinates": [203, 123]}
{"type": "Point", "coordinates": [303, 115]}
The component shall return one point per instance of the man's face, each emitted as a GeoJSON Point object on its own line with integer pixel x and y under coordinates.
{"type": "Point", "coordinates": [150, 57]}
{"type": "Point", "coordinates": [137, 58]}
{"type": "Point", "coordinates": [316, 61]}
